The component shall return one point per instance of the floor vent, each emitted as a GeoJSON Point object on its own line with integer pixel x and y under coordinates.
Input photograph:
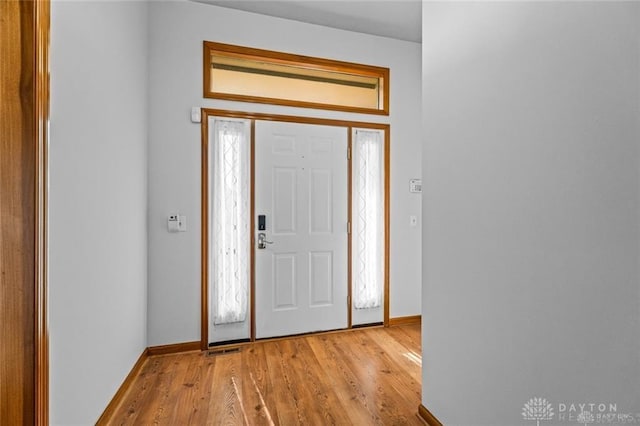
{"type": "Point", "coordinates": [217, 352]}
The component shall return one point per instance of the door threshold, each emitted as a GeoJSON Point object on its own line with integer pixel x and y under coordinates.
{"type": "Point", "coordinates": [223, 351]}
{"type": "Point", "coordinates": [293, 336]}
{"type": "Point", "coordinates": [320, 333]}
{"type": "Point", "coordinates": [368, 325]}
{"type": "Point", "coordinates": [229, 344]}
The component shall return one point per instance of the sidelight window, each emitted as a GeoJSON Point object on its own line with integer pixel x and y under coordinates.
{"type": "Point", "coordinates": [230, 230]}
{"type": "Point", "coordinates": [368, 218]}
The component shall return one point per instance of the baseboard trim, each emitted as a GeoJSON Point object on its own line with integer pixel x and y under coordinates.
{"type": "Point", "coordinates": [173, 348]}
{"type": "Point", "coordinates": [122, 390]}
{"type": "Point", "coordinates": [426, 415]}
{"type": "Point", "coordinates": [413, 319]}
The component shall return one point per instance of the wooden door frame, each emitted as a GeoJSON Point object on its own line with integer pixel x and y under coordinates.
{"type": "Point", "coordinates": [24, 140]}
{"type": "Point", "coordinates": [204, 261]}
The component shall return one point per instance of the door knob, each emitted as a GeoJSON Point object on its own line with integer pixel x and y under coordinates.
{"type": "Point", "coordinates": [262, 240]}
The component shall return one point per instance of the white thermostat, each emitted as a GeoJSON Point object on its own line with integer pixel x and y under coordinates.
{"type": "Point", "coordinates": [415, 185]}
{"type": "Point", "coordinates": [177, 223]}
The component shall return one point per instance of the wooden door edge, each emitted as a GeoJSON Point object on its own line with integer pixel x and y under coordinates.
{"type": "Point", "coordinates": [41, 306]}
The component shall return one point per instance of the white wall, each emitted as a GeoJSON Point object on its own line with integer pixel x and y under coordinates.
{"type": "Point", "coordinates": [530, 249]}
{"type": "Point", "coordinates": [177, 30]}
{"type": "Point", "coordinates": [98, 225]}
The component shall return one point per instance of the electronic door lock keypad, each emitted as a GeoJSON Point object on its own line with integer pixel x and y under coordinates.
{"type": "Point", "coordinates": [262, 222]}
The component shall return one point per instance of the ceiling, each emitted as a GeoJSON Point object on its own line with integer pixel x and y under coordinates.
{"type": "Point", "coordinates": [399, 19]}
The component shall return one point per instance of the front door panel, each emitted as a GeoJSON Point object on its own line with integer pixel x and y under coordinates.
{"type": "Point", "coordinates": [301, 187]}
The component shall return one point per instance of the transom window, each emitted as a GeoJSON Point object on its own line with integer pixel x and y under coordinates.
{"type": "Point", "coordinates": [255, 75]}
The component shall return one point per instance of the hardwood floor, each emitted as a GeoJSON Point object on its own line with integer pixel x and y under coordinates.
{"type": "Point", "coordinates": [363, 377]}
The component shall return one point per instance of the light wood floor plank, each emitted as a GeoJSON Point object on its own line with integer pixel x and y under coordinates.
{"type": "Point", "coordinates": [406, 358]}
{"type": "Point", "coordinates": [347, 384]}
{"type": "Point", "coordinates": [227, 408]}
{"type": "Point", "coordinates": [155, 411]}
{"type": "Point", "coordinates": [187, 403]}
{"type": "Point", "coordinates": [377, 379]}
{"type": "Point", "coordinates": [258, 384]}
{"type": "Point", "coordinates": [361, 377]}
{"type": "Point", "coordinates": [409, 336]}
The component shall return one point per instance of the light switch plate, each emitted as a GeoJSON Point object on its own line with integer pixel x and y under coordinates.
{"type": "Point", "coordinates": [195, 115]}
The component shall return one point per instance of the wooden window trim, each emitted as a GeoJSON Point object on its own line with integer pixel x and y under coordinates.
{"type": "Point", "coordinates": [294, 60]}
{"type": "Point", "coordinates": [204, 208]}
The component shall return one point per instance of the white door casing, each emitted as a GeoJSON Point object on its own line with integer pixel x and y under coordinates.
{"type": "Point", "coordinates": [301, 279]}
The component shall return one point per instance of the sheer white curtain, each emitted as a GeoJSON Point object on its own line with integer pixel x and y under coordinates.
{"type": "Point", "coordinates": [229, 230]}
{"type": "Point", "coordinates": [368, 218]}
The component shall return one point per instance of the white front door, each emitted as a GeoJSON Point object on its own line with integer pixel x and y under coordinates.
{"type": "Point", "coordinates": [301, 189]}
